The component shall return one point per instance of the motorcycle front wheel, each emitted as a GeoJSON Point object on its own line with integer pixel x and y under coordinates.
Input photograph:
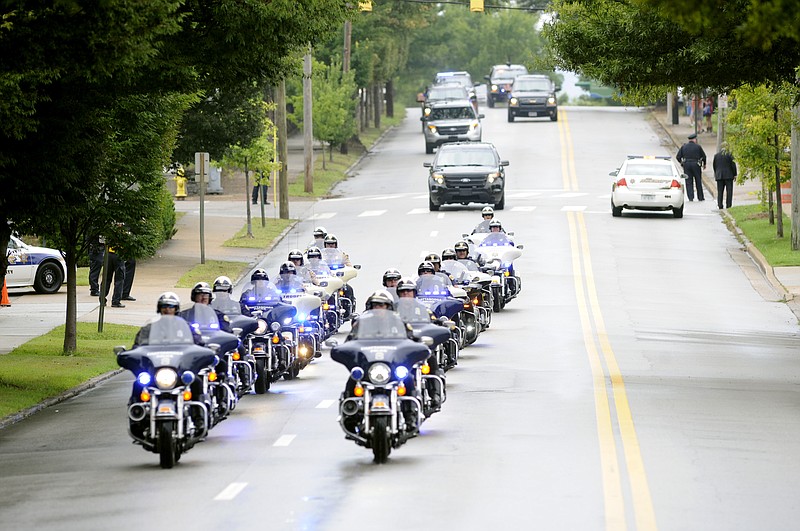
{"type": "Point", "coordinates": [166, 444]}
{"type": "Point", "coordinates": [380, 439]}
{"type": "Point", "coordinates": [262, 382]}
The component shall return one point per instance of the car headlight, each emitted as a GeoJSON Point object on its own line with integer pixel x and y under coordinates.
{"type": "Point", "coordinates": [474, 125]}
{"type": "Point", "coordinates": [492, 176]}
{"type": "Point", "coordinates": [166, 378]}
{"type": "Point", "coordinates": [551, 100]}
{"type": "Point", "coordinates": [513, 102]}
{"type": "Point", "coordinates": [262, 327]}
{"type": "Point", "coordinates": [379, 373]}
{"type": "Point", "coordinates": [438, 177]}
{"type": "Point", "coordinates": [427, 111]}
{"type": "Point", "coordinates": [431, 128]}
{"type": "Point", "coordinates": [494, 88]}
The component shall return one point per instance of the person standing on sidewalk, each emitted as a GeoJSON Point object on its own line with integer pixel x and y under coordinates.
{"type": "Point", "coordinates": [693, 159]}
{"type": "Point", "coordinates": [130, 272]}
{"type": "Point", "coordinates": [97, 248]}
{"type": "Point", "coordinates": [261, 187]}
{"type": "Point", "coordinates": [724, 174]}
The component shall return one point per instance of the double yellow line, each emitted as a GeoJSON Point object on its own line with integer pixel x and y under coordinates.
{"type": "Point", "coordinates": [608, 384]}
{"type": "Point", "coordinates": [569, 176]}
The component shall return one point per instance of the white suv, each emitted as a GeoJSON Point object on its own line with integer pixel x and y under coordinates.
{"type": "Point", "coordinates": [451, 121]}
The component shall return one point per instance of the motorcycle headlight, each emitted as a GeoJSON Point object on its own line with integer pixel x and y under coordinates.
{"type": "Point", "coordinates": [379, 373]}
{"type": "Point", "coordinates": [492, 176]}
{"type": "Point", "coordinates": [262, 327]}
{"type": "Point", "coordinates": [513, 102]}
{"type": "Point", "coordinates": [166, 378]}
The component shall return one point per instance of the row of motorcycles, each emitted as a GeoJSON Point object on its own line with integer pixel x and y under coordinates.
{"type": "Point", "coordinates": [398, 359]}
{"type": "Point", "coordinates": [182, 389]}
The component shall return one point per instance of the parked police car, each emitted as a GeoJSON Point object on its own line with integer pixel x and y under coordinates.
{"type": "Point", "coordinates": [40, 267]}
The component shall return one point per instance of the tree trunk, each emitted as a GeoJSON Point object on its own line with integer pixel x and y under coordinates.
{"type": "Point", "coordinates": [308, 126]}
{"type": "Point", "coordinates": [283, 150]}
{"type": "Point", "coordinates": [390, 99]}
{"type": "Point", "coordinates": [377, 98]}
{"type": "Point", "coordinates": [5, 235]}
{"type": "Point", "coordinates": [71, 323]}
{"type": "Point", "coordinates": [770, 206]}
{"type": "Point", "coordinates": [778, 194]}
{"type": "Point", "coordinates": [795, 179]}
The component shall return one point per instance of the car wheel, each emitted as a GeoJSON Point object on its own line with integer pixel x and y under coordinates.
{"type": "Point", "coordinates": [500, 205]}
{"type": "Point", "coordinates": [49, 278]}
{"type": "Point", "coordinates": [678, 212]}
{"type": "Point", "coordinates": [490, 101]}
{"type": "Point", "coordinates": [615, 210]}
{"type": "Point", "coordinates": [429, 148]}
{"type": "Point", "coordinates": [431, 206]}
{"type": "Point", "coordinates": [510, 117]}
{"type": "Point", "coordinates": [554, 117]}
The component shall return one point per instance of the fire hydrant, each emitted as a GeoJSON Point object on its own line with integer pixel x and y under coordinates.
{"type": "Point", "coordinates": [180, 184]}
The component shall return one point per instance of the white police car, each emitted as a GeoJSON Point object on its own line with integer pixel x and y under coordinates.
{"type": "Point", "coordinates": [40, 267]}
{"type": "Point", "coordinates": [647, 183]}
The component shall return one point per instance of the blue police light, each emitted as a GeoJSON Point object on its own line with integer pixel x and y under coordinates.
{"type": "Point", "coordinates": [356, 373]}
{"type": "Point", "coordinates": [287, 320]}
{"type": "Point", "coordinates": [144, 378]}
{"type": "Point", "coordinates": [196, 326]}
{"type": "Point", "coordinates": [251, 298]}
{"type": "Point", "coordinates": [187, 377]}
{"type": "Point", "coordinates": [214, 325]}
{"type": "Point", "coordinates": [401, 372]}
{"type": "Point", "coordinates": [301, 317]}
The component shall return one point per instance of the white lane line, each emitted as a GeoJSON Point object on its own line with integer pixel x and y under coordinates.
{"type": "Point", "coordinates": [523, 209]}
{"type": "Point", "coordinates": [607, 196]}
{"type": "Point", "coordinates": [418, 211]}
{"type": "Point", "coordinates": [382, 198]}
{"type": "Point", "coordinates": [573, 208]}
{"type": "Point", "coordinates": [284, 440]}
{"type": "Point", "coordinates": [230, 492]}
{"type": "Point", "coordinates": [440, 216]}
{"type": "Point", "coordinates": [371, 213]}
{"type": "Point", "coordinates": [434, 233]}
{"type": "Point", "coordinates": [519, 195]}
{"type": "Point", "coordinates": [325, 404]}
{"type": "Point", "coordinates": [421, 196]}
{"type": "Point", "coordinates": [323, 215]}
{"type": "Point", "coordinates": [571, 194]}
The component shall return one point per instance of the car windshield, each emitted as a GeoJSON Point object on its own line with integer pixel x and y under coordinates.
{"type": "Point", "coordinates": [447, 93]}
{"type": "Point", "coordinates": [650, 170]}
{"type": "Point", "coordinates": [462, 80]}
{"type": "Point", "coordinates": [169, 330]}
{"type": "Point", "coordinates": [379, 324]}
{"type": "Point", "coordinates": [542, 85]}
{"type": "Point", "coordinates": [466, 157]}
{"type": "Point", "coordinates": [508, 73]}
{"type": "Point", "coordinates": [452, 113]}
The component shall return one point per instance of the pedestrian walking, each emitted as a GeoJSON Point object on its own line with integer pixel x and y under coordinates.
{"type": "Point", "coordinates": [260, 187]}
{"type": "Point", "coordinates": [130, 272]}
{"type": "Point", "coordinates": [693, 159]}
{"type": "Point", "coordinates": [724, 174]}
{"type": "Point", "coordinates": [708, 110]}
{"type": "Point", "coordinates": [96, 248]}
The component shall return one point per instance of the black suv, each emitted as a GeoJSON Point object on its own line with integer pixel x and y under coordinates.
{"type": "Point", "coordinates": [466, 172]}
{"type": "Point", "coordinates": [533, 95]}
{"type": "Point", "coordinates": [500, 79]}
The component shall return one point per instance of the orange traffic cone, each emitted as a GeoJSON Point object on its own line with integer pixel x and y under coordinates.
{"type": "Point", "coordinates": [4, 299]}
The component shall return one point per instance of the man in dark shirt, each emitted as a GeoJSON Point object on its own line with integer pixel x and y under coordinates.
{"type": "Point", "coordinates": [693, 159]}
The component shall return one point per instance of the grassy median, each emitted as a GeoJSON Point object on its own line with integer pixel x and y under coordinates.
{"type": "Point", "coordinates": [753, 220]}
{"type": "Point", "coordinates": [39, 369]}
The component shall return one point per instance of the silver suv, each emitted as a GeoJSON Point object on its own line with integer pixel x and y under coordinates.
{"type": "Point", "coordinates": [451, 121]}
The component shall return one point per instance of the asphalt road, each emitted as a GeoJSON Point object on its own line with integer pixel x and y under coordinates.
{"type": "Point", "coordinates": [645, 379]}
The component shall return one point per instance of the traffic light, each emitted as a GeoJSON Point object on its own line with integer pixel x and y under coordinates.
{"type": "Point", "coordinates": [476, 6]}
{"type": "Point", "coordinates": [365, 5]}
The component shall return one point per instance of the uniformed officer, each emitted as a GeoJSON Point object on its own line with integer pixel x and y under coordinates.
{"type": "Point", "coordinates": [693, 159]}
{"type": "Point", "coordinates": [260, 187]}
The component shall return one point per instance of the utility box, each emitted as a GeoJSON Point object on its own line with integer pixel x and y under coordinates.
{"type": "Point", "coordinates": [214, 180]}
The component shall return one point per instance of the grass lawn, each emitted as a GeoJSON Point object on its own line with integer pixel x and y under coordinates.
{"type": "Point", "coordinates": [262, 236]}
{"type": "Point", "coordinates": [39, 370]}
{"type": "Point", "coordinates": [209, 271]}
{"type": "Point", "coordinates": [754, 223]}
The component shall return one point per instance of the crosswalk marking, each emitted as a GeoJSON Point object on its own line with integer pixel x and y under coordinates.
{"type": "Point", "coordinates": [573, 208]}
{"type": "Point", "coordinates": [440, 216]}
{"type": "Point", "coordinates": [418, 211]}
{"type": "Point", "coordinates": [325, 404]}
{"type": "Point", "coordinates": [521, 195]}
{"type": "Point", "coordinates": [606, 196]}
{"type": "Point", "coordinates": [284, 440]}
{"type": "Point", "coordinates": [371, 213]}
{"type": "Point", "coordinates": [571, 194]}
{"type": "Point", "coordinates": [323, 215]}
{"type": "Point", "coordinates": [434, 233]}
{"type": "Point", "coordinates": [523, 209]}
{"type": "Point", "coordinates": [230, 492]}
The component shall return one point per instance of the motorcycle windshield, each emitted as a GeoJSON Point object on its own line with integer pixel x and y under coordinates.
{"type": "Point", "coordinates": [495, 239]}
{"type": "Point", "coordinates": [225, 304]}
{"type": "Point", "coordinates": [469, 264]}
{"type": "Point", "coordinates": [432, 286]}
{"type": "Point", "coordinates": [497, 246]}
{"type": "Point", "coordinates": [334, 258]}
{"type": "Point", "coordinates": [458, 272]}
{"type": "Point", "coordinates": [169, 330]}
{"type": "Point", "coordinates": [482, 227]}
{"type": "Point", "coordinates": [319, 267]}
{"type": "Point", "coordinates": [290, 284]}
{"type": "Point", "coordinates": [412, 311]}
{"type": "Point", "coordinates": [262, 291]}
{"type": "Point", "coordinates": [204, 317]}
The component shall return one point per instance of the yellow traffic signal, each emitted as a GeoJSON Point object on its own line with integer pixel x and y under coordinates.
{"type": "Point", "coordinates": [365, 5]}
{"type": "Point", "coordinates": [476, 6]}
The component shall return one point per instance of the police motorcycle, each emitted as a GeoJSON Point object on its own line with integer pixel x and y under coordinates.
{"type": "Point", "coordinates": [335, 259]}
{"type": "Point", "coordinates": [170, 408]}
{"type": "Point", "coordinates": [220, 382]}
{"type": "Point", "coordinates": [381, 407]}
{"type": "Point", "coordinates": [305, 327]}
{"type": "Point", "coordinates": [497, 252]}
{"type": "Point", "coordinates": [435, 294]}
{"type": "Point", "coordinates": [241, 364]}
{"type": "Point", "coordinates": [272, 347]}
{"type": "Point", "coordinates": [332, 316]}
{"type": "Point", "coordinates": [477, 286]}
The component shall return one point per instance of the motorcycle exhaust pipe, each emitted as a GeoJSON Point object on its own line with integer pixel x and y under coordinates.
{"type": "Point", "coordinates": [137, 412]}
{"type": "Point", "coordinates": [349, 407]}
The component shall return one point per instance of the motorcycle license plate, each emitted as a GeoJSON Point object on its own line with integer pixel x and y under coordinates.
{"type": "Point", "coordinates": [648, 197]}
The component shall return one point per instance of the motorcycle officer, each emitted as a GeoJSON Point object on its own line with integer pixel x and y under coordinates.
{"type": "Point", "coordinates": [462, 252]}
{"type": "Point", "coordinates": [222, 300]}
{"type": "Point", "coordinates": [319, 238]}
{"type": "Point", "coordinates": [390, 279]}
{"type": "Point", "coordinates": [434, 259]}
{"type": "Point", "coordinates": [332, 242]}
{"type": "Point", "coordinates": [296, 258]}
{"type": "Point", "coordinates": [288, 277]}
{"type": "Point", "coordinates": [258, 276]}
{"type": "Point", "coordinates": [168, 304]}
{"type": "Point", "coordinates": [487, 213]}
{"type": "Point", "coordinates": [201, 294]}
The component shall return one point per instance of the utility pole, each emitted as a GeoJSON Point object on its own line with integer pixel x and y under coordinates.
{"type": "Point", "coordinates": [348, 30]}
{"type": "Point", "coordinates": [283, 150]}
{"type": "Point", "coordinates": [308, 125]}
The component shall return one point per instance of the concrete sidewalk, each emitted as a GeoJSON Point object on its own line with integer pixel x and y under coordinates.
{"type": "Point", "coordinates": [785, 280]}
{"type": "Point", "coordinates": [31, 315]}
